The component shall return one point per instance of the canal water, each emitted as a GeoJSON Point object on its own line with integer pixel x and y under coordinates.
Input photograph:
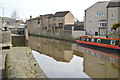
{"type": "Point", "coordinates": [61, 59]}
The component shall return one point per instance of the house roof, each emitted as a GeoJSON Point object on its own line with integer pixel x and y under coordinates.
{"type": "Point", "coordinates": [50, 16]}
{"type": "Point", "coordinates": [113, 4]}
{"type": "Point", "coordinates": [61, 14]}
{"type": "Point", "coordinates": [97, 3]}
{"type": "Point", "coordinates": [34, 18]}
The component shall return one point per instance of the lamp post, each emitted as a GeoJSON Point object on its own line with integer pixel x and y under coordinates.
{"type": "Point", "coordinates": [3, 10]}
{"type": "Point", "coordinates": [3, 16]}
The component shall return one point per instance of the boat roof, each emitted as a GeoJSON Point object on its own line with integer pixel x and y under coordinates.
{"type": "Point", "coordinates": [100, 38]}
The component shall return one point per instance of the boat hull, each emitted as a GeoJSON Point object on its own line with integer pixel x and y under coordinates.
{"type": "Point", "coordinates": [101, 48]}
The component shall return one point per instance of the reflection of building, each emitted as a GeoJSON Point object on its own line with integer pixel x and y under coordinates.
{"type": "Point", "coordinates": [97, 67]}
{"type": "Point", "coordinates": [77, 51]}
{"type": "Point", "coordinates": [65, 56]}
{"type": "Point", "coordinates": [98, 64]}
{"type": "Point", "coordinates": [58, 50]}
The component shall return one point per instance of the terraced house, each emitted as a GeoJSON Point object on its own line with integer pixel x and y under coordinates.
{"type": "Point", "coordinates": [63, 19]}
{"type": "Point", "coordinates": [52, 24]}
{"type": "Point", "coordinates": [34, 25]}
{"type": "Point", "coordinates": [100, 17]}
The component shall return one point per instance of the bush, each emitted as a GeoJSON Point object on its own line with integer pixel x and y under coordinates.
{"type": "Point", "coordinates": [115, 26]}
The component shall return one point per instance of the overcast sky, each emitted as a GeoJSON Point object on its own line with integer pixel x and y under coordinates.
{"type": "Point", "coordinates": [25, 8]}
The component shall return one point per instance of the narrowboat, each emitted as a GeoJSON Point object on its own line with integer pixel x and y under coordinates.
{"type": "Point", "coordinates": [109, 43]}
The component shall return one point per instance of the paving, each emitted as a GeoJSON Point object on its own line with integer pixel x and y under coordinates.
{"type": "Point", "coordinates": [2, 62]}
{"type": "Point", "coordinates": [20, 63]}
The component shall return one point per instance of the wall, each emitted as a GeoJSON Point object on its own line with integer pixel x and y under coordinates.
{"type": "Point", "coordinates": [76, 34]}
{"type": "Point", "coordinates": [0, 22]}
{"type": "Point", "coordinates": [115, 34]}
{"type": "Point", "coordinates": [92, 20]}
{"type": "Point", "coordinates": [5, 37]}
{"type": "Point", "coordinates": [5, 40]}
{"type": "Point", "coordinates": [111, 21]}
{"type": "Point", "coordinates": [57, 21]}
{"type": "Point", "coordinates": [69, 19]}
{"type": "Point", "coordinates": [33, 26]}
{"type": "Point", "coordinates": [18, 40]}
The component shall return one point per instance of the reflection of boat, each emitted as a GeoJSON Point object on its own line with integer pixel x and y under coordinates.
{"type": "Point", "coordinates": [111, 57]}
{"type": "Point", "coordinates": [98, 64]}
{"type": "Point", "coordinates": [100, 42]}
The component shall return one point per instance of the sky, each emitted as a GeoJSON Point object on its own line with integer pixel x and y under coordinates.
{"type": "Point", "coordinates": [25, 8]}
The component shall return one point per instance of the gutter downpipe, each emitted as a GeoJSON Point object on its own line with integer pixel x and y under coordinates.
{"type": "Point", "coordinates": [107, 25]}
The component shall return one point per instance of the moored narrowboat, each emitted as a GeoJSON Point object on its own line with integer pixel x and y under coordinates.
{"type": "Point", "coordinates": [100, 42]}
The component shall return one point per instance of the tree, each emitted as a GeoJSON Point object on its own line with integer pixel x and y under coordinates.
{"type": "Point", "coordinates": [116, 25]}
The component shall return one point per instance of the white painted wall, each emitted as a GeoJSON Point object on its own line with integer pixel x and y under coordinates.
{"type": "Point", "coordinates": [76, 34]}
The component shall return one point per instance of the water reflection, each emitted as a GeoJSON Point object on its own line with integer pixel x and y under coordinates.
{"type": "Point", "coordinates": [61, 59]}
{"type": "Point", "coordinates": [60, 51]}
{"type": "Point", "coordinates": [99, 64]}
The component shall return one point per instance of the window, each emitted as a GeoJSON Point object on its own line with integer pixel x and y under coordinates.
{"type": "Point", "coordinates": [60, 24]}
{"type": "Point", "coordinates": [113, 42]}
{"type": "Point", "coordinates": [82, 39]}
{"type": "Point", "coordinates": [87, 39]}
{"type": "Point", "coordinates": [98, 40]}
{"type": "Point", "coordinates": [90, 19]}
{"type": "Point", "coordinates": [99, 14]}
{"type": "Point", "coordinates": [50, 19]}
{"type": "Point", "coordinates": [102, 23]}
{"type": "Point", "coordinates": [61, 18]}
{"type": "Point", "coordinates": [112, 16]}
{"type": "Point", "coordinates": [38, 21]}
{"type": "Point", "coordinates": [92, 40]}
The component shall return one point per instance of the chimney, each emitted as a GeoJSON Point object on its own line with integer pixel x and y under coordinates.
{"type": "Point", "coordinates": [30, 17]}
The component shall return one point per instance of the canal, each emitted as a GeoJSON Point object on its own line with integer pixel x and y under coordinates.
{"type": "Point", "coordinates": [61, 59]}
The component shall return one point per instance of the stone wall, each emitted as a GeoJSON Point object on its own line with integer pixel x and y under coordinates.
{"type": "Point", "coordinates": [76, 34]}
{"type": "Point", "coordinates": [18, 40]}
{"type": "Point", "coordinates": [5, 37]}
{"type": "Point", "coordinates": [0, 22]}
{"type": "Point", "coordinates": [115, 34]}
{"type": "Point", "coordinates": [20, 31]}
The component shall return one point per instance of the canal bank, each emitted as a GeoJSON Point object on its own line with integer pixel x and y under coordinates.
{"type": "Point", "coordinates": [20, 63]}
{"type": "Point", "coordinates": [16, 58]}
{"type": "Point", "coordinates": [55, 37]}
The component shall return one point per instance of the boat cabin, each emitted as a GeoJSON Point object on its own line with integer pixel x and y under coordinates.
{"type": "Point", "coordinates": [109, 41]}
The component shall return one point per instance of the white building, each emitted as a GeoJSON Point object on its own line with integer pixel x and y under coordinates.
{"type": "Point", "coordinates": [100, 17]}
